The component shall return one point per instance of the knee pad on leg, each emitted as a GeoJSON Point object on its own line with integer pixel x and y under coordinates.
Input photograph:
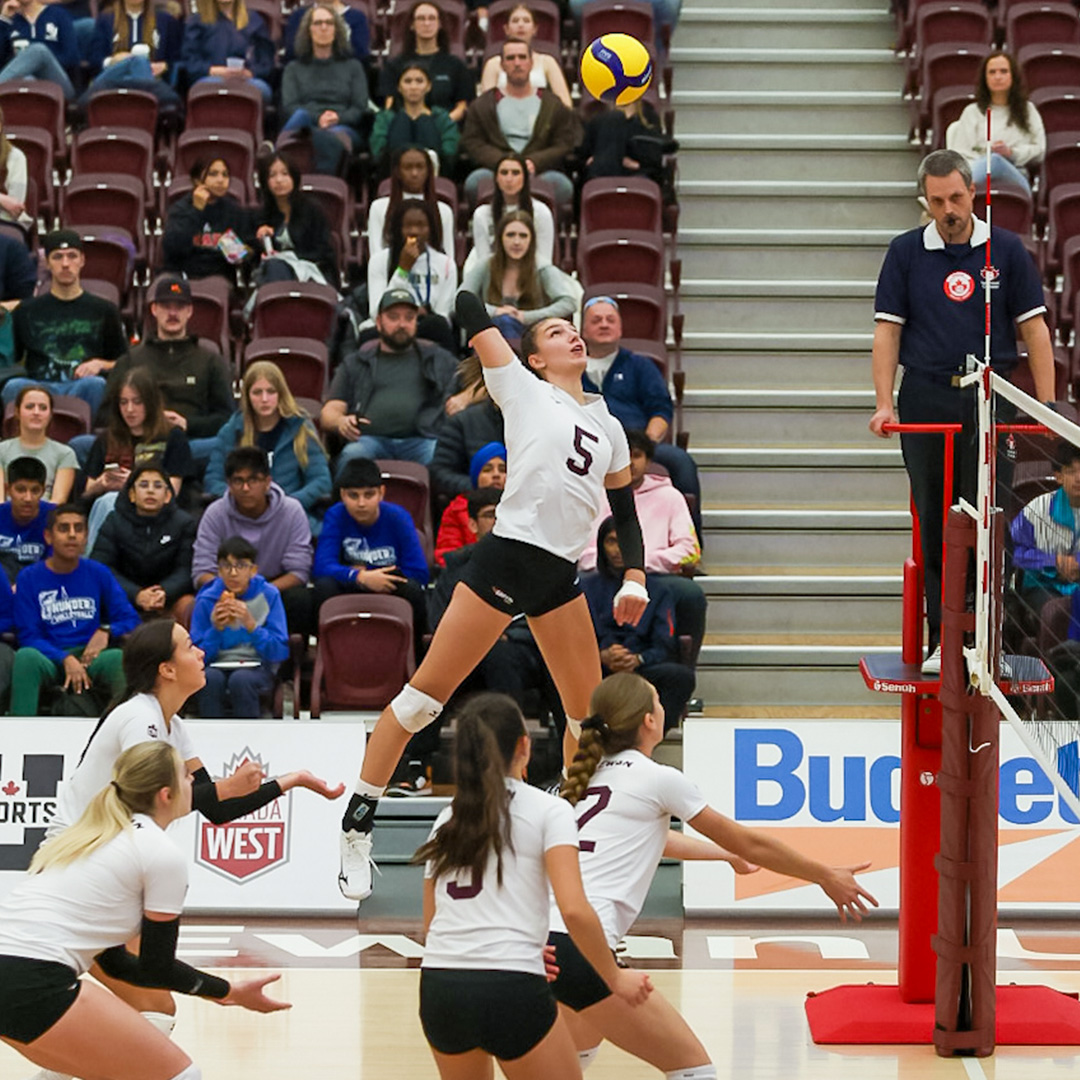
{"type": "Point", "coordinates": [162, 1021]}
{"type": "Point", "coordinates": [193, 1072]}
{"type": "Point", "coordinates": [698, 1072]}
{"type": "Point", "coordinates": [586, 1057]}
{"type": "Point", "coordinates": [414, 710]}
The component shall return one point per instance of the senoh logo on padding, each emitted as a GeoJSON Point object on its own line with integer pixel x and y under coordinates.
{"type": "Point", "coordinates": [959, 285]}
{"type": "Point", "coordinates": [255, 844]}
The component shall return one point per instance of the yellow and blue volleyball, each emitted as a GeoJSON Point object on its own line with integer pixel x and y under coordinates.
{"type": "Point", "coordinates": [616, 68]}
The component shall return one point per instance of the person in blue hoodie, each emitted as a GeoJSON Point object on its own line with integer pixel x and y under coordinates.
{"type": "Point", "coordinates": [369, 545]}
{"type": "Point", "coordinates": [23, 516]}
{"type": "Point", "coordinates": [37, 41]}
{"type": "Point", "coordinates": [239, 623]}
{"type": "Point", "coordinates": [224, 41]}
{"type": "Point", "coordinates": [116, 59]}
{"type": "Point", "coordinates": [66, 610]}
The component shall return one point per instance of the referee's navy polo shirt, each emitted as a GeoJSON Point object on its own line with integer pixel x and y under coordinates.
{"type": "Point", "coordinates": [935, 292]}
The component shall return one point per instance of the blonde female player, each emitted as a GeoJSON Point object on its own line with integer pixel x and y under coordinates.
{"type": "Point", "coordinates": [111, 875]}
{"type": "Point", "coordinates": [624, 801]}
{"type": "Point", "coordinates": [490, 858]}
{"type": "Point", "coordinates": [563, 450]}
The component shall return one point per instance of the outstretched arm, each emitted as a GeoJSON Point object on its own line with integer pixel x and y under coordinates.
{"type": "Point", "coordinates": [690, 848]}
{"type": "Point", "coordinates": [489, 344]}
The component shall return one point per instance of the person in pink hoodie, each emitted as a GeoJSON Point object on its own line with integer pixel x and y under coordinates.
{"type": "Point", "coordinates": [671, 543]}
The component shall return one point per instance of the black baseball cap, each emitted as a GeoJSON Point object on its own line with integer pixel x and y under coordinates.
{"type": "Point", "coordinates": [59, 239]}
{"type": "Point", "coordinates": [393, 297]}
{"type": "Point", "coordinates": [172, 287]}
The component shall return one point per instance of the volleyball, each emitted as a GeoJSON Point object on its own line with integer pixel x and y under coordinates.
{"type": "Point", "coordinates": [616, 68]}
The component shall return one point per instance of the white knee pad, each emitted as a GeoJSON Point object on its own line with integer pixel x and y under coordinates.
{"type": "Point", "coordinates": [698, 1072]}
{"type": "Point", "coordinates": [586, 1057]}
{"type": "Point", "coordinates": [192, 1072]}
{"type": "Point", "coordinates": [414, 710]}
{"type": "Point", "coordinates": [574, 727]}
{"type": "Point", "coordinates": [162, 1021]}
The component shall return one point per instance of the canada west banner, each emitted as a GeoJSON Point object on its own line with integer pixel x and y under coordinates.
{"type": "Point", "coordinates": [282, 857]}
{"type": "Point", "coordinates": [830, 788]}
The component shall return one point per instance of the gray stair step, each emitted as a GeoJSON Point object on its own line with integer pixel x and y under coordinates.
{"type": "Point", "coordinates": [857, 166]}
{"type": "Point", "coordinates": [806, 140]}
{"type": "Point", "coordinates": [791, 371]}
{"type": "Point", "coordinates": [782, 313]}
{"type": "Point", "coordinates": [794, 209]}
{"type": "Point", "coordinates": [784, 69]}
{"type": "Point", "coordinates": [792, 614]}
{"type": "Point", "coordinates": [779, 417]}
{"type": "Point", "coordinates": [818, 287]}
{"type": "Point", "coordinates": [779, 264]}
{"type": "Point", "coordinates": [770, 341]}
{"type": "Point", "coordinates": [785, 239]}
{"type": "Point", "coordinates": [814, 113]}
{"type": "Point", "coordinates": [733, 684]}
{"type": "Point", "coordinates": [762, 28]}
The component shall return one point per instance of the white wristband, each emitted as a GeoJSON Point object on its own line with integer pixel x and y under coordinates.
{"type": "Point", "coordinates": [631, 588]}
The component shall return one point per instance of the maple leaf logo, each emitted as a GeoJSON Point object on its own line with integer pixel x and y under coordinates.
{"type": "Point", "coordinates": [10, 788]}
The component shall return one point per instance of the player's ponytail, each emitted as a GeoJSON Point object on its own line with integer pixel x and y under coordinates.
{"type": "Point", "coordinates": [488, 730]}
{"type": "Point", "coordinates": [616, 709]}
{"type": "Point", "coordinates": [139, 774]}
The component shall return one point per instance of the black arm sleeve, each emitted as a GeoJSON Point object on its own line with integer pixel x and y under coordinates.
{"type": "Point", "coordinates": [627, 527]}
{"type": "Point", "coordinates": [156, 965]}
{"type": "Point", "coordinates": [204, 798]}
{"type": "Point", "coordinates": [471, 314]}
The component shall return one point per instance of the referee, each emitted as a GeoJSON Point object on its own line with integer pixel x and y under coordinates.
{"type": "Point", "coordinates": [929, 313]}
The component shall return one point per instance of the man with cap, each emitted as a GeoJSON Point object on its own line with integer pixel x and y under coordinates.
{"type": "Point", "coordinates": [194, 382]}
{"type": "Point", "coordinates": [66, 339]}
{"type": "Point", "coordinates": [388, 398]}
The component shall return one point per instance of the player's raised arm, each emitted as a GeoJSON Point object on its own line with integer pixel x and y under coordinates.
{"type": "Point", "coordinates": [480, 331]}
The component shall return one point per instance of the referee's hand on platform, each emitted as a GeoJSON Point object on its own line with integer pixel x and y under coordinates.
{"type": "Point", "coordinates": [883, 416]}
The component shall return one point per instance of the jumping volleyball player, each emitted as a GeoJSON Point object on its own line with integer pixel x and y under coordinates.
{"type": "Point", "coordinates": [163, 668]}
{"type": "Point", "coordinates": [490, 858]}
{"type": "Point", "coordinates": [563, 450]}
{"type": "Point", "coordinates": [112, 875]}
{"type": "Point", "coordinates": [624, 802]}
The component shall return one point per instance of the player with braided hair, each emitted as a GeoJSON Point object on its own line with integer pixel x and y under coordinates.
{"type": "Point", "coordinates": [624, 801]}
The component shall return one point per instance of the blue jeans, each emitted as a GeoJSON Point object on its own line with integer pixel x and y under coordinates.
{"type": "Point", "coordinates": [36, 61]}
{"type": "Point", "coordinates": [135, 72]}
{"type": "Point", "coordinates": [91, 388]}
{"type": "Point", "coordinates": [416, 448]}
{"type": "Point", "coordinates": [102, 508]}
{"type": "Point", "coordinates": [267, 93]}
{"type": "Point", "coordinates": [564, 189]}
{"type": "Point", "coordinates": [84, 32]}
{"type": "Point", "coordinates": [1001, 169]}
{"type": "Point", "coordinates": [239, 688]}
{"type": "Point", "coordinates": [201, 449]}
{"type": "Point", "coordinates": [325, 143]}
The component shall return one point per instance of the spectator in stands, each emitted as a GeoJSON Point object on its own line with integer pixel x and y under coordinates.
{"type": "Point", "coordinates": [23, 516]}
{"type": "Point", "coordinates": [412, 176]}
{"type": "Point", "coordinates": [461, 436]}
{"type": "Point", "coordinates": [66, 609]}
{"type": "Point", "coordinates": [270, 419]}
{"type": "Point", "coordinates": [452, 84]}
{"type": "Point", "coordinates": [224, 41]}
{"type": "Point", "coordinates": [1046, 535]}
{"type": "Point", "coordinates": [533, 122]}
{"type": "Point", "coordinates": [635, 392]}
{"type": "Point", "coordinates": [627, 140]}
{"type": "Point", "coordinates": [410, 121]}
{"type": "Point", "coordinates": [546, 72]}
{"type": "Point", "coordinates": [33, 414]}
{"type": "Point", "coordinates": [518, 289]}
{"type": "Point", "coordinates": [67, 339]}
{"type": "Point", "coordinates": [414, 263]}
{"type": "Point", "coordinates": [296, 227]}
{"type": "Point", "coordinates": [929, 316]}
{"type": "Point", "coordinates": [324, 90]}
{"type": "Point", "coordinates": [7, 653]}
{"type": "Point", "coordinates": [13, 181]}
{"type": "Point", "coordinates": [511, 193]}
{"type": "Point", "coordinates": [18, 279]}
{"type": "Point", "coordinates": [38, 42]}
{"type": "Point", "coordinates": [370, 545]}
{"type": "Point", "coordinates": [650, 648]}
{"type": "Point", "coordinates": [275, 523]}
{"type": "Point", "coordinates": [197, 224]}
{"type": "Point", "coordinates": [487, 470]}
{"type": "Point", "coordinates": [195, 384]}
{"type": "Point", "coordinates": [139, 52]}
{"type": "Point", "coordinates": [1017, 137]}
{"type": "Point", "coordinates": [239, 623]}
{"type": "Point", "coordinates": [147, 543]}
{"type": "Point", "coordinates": [373, 404]}
{"type": "Point", "coordinates": [355, 20]}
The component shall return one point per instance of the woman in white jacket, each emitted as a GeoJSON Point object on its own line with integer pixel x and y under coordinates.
{"type": "Point", "coordinates": [1017, 137]}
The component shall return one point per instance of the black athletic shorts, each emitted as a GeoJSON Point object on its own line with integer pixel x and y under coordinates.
{"type": "Point", "coordinates": [578, 985]}
{"type": "Point", "coordinates": [34, 994]}
{"type": "Point", "coordinates": [519, 578]}
{"type": "Point", "coordinates": [504, 1013]}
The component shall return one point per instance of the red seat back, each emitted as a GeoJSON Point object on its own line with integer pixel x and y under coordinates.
{"type": "Point", "coordinates": [621, 203]}
{"type": "Point", "coordinates": [621, 254]}
{"type": "Point", "coordinates": [123, 108]}
{"type": "Point", "coordinates": [294, 309]}
{"type": "Point", "coordinates": [303, 362]}
{"type": "Point", "coordinates": [408, 485]}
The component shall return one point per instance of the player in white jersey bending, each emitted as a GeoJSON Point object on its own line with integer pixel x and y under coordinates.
{"type": "Point", "coordinates": [624, 801]}
{"type": "Point", "coordinates": [163, 668]}
{"type": "Point", "coordinates": [490, 858]}
{"type": "Point", "coordinates": [91, 888]}
{"type": "Point", "coordinates": [565, 452]}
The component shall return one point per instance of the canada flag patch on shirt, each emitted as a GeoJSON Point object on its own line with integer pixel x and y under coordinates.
{"type": "Point", "coordinates": [959, 286]}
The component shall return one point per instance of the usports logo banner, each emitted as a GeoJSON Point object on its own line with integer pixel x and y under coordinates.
{"type": "Point", "coordinates": [831, 789]}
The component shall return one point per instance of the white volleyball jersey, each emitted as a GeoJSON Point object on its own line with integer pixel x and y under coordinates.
{"type": "Point", "coordinates": [137, 720]}
{"type": "Point", "coordinates": [558, 453]}
{"type": "Point", "coordinates": [485, 925]}
{"type": "Point", "coordinates": [623, 820]}
{"type": "Point", "coordinates": [71, 913]}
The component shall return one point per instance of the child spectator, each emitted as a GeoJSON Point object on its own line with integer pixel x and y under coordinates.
{"type": "Point", "coordinates": [33, 414]}
{"type": "Point", "coordinates": [62, 608]}
{"type": "Point", "coordinates": [147, 543]}
{"type": "Point", "coordinates": [23, 517]}
{"type": "Point", "coordinates": [487, 469]}
{"type": "Point", "coordinates": [368, 545]}
{"type": "Point", "coordinates": [239, 623]}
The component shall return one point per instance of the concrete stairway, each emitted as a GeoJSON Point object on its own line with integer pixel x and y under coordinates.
{"type": "Point", "coordinates": [794, 173]}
